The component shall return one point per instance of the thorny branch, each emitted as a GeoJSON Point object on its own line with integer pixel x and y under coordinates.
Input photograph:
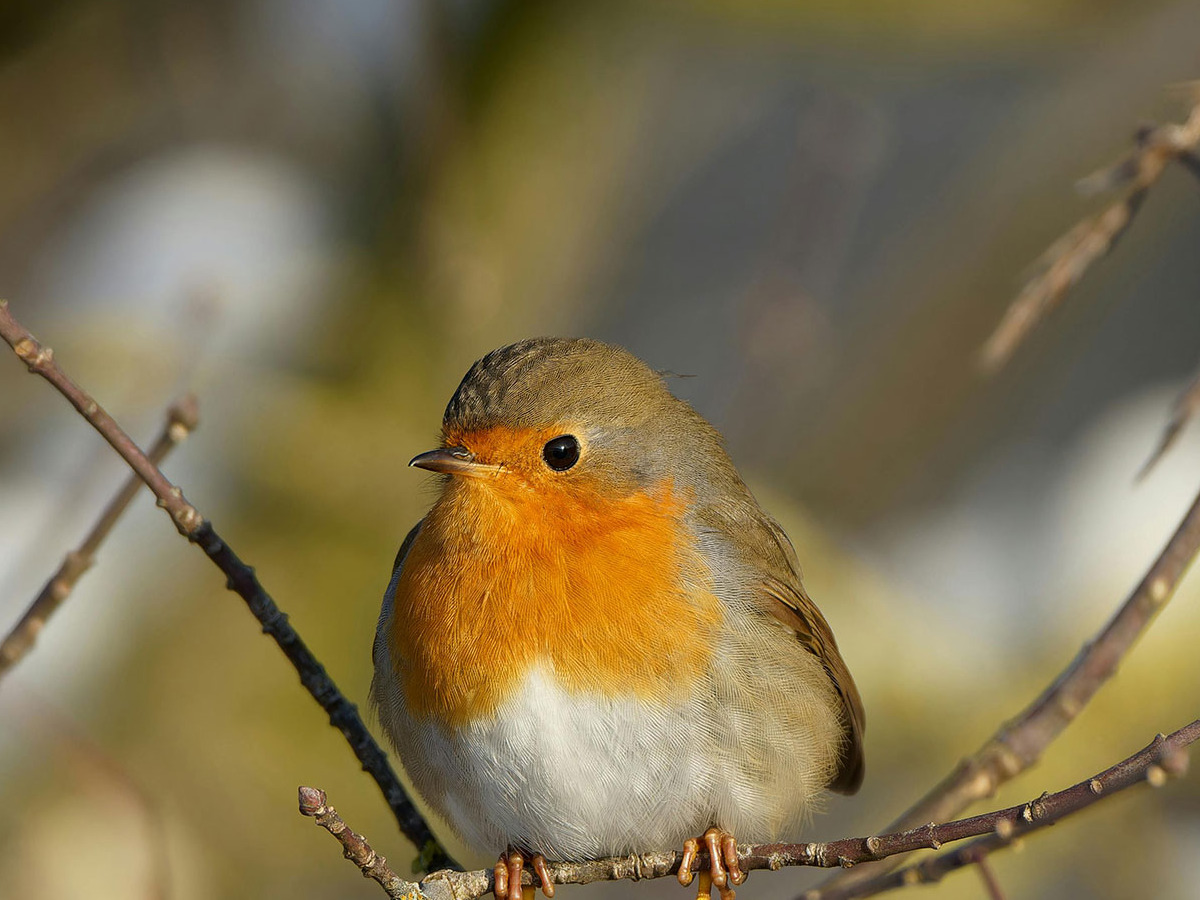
{"type": "Point", "coordinates": [182, 419]}
{"type": "Point", "coordinates": [1019, 743]}
{"type": "Point", "coordinates": [343, 715]}
{"type": "Point", "coordinates": [1061, 266]}
{"type": "Point", "coordinates": [1163, 757]}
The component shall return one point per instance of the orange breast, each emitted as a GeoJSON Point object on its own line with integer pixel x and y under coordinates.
{"type": "Point", "coordinates": [608, 594]}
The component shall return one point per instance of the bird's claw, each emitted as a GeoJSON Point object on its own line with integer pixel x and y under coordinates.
{"type": "Point", "coordinates": [723, 872]}
{"type": "Point", "coordinates": [507, 876]}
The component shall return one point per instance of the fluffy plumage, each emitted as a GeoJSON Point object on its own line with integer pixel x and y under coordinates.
{"type": "Point", "coordinates": [613, 657]}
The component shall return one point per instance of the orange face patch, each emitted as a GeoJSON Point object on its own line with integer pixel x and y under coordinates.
{"type": "Point", "coordinates": [530, 567]}
{"type": "Point", "coordinates": [519, 450]}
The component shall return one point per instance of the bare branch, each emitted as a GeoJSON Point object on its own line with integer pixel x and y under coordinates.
{"type": "Point", "coordinates": [40, 360]}
{"type": "Point", "coordinates": [990, 882]}
{"type": "Point", "coordinates": [1163, 757]}
{"type": "Point", "coordinates": [343, 715]}
{"type": "Point", "coordinates": [313, 803]}
{"type": "Point", "coordinates": [1186, 405]}
{"type": "Point", "coordinates": [1071, 255]}
{"type": "Point", "coordinates": [1019, 743]}
{"type": "Point", "coordinates": [182, 419]}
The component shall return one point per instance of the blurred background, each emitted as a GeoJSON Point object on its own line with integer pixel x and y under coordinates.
{"type": "Point", "coordinates": [317, 213]}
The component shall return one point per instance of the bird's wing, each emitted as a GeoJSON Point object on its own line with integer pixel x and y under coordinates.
{"type": "Point", "coordinates": [790, 603]}
{"type": "Point", "coordinates": [385, 613]}
{"type": "Point", "coordinates": [404, 546]}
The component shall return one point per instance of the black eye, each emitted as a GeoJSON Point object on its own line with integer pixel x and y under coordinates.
{"type": "Point", "coordinates": [561, 453]}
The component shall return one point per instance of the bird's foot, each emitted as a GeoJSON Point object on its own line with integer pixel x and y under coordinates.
{"type": "Point", "coordinates": [723, 872]}
{"type": "Point", "coordinates": [507, 876]}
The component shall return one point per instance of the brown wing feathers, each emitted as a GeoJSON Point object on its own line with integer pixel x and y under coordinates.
{"type": "Point", "coordinates": [793, 607]}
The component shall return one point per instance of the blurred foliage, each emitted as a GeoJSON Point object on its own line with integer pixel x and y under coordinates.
{"type": "Point", "coordinates": [818, 209]}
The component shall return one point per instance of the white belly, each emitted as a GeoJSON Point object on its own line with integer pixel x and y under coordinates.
{"type": "Point", "coordinates": [579, 777]}
{"type": "Point", "coordinates": [573, 778]}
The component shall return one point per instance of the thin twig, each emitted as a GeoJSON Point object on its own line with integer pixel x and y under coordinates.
{"type": "Point", "coordinates": [1186, 406]}
{"type": "Point", "coordinates": [988, 876]}
{"type": "Point", "coordinates": [1162, 757]}
{"type": "Point", "coordinates": [313, 803]}
{"type": "Point", "coordinates": [343, 715]}
{"type": "Point", "coordinates": [182, 419]}
{"type": "Point", "coordinates": [1019, 743]}
{"type": "Point", "coordinates": [40, 360]}
{"type": "Point", "coordinates": [1071, 255]}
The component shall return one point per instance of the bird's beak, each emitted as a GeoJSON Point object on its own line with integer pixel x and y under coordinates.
{"type": "Point", "coordinates": [453, 461]}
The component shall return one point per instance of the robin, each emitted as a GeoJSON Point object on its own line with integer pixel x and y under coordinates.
{"type": "Point", "coordinates": [596, 642]}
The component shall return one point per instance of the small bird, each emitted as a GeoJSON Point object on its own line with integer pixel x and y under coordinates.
{"type": "Point", "coordinates": [596, 642]}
